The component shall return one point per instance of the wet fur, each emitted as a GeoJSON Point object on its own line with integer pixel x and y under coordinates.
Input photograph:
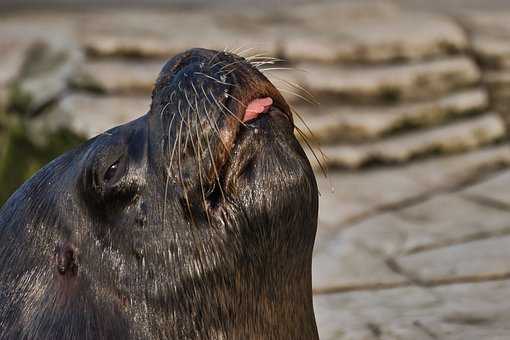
{"type": "Point", "coordinates": [205, 230]}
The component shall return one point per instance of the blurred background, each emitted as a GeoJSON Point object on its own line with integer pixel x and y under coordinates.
{"type": "Point", "coordinates": [414, 105]}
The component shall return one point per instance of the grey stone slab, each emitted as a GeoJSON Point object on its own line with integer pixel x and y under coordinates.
{"type": "Point", "coordinates": [347, 196]}
{"type": "Point", "coordinates": [368, 32]}
{"type": "Point", "coordinates": [439, 221]}
{"type": "Point", "coordinates": [21, 34]}
{"type": "Point", "coordinates": [493, 52]}
{"type": "Point", "coordinates": [497, 81]}
{"type": "Point", "coordinates": [373, 39]}
{"type": "Point", "coordinates": [462, 311]}
{"type": "Point", "coordinates": [496, 188]}
{"type": "Point", "coordinates": [119, 76]}
{"type": "Point", "coordinates": [126, 33]}
{"type": "Point", "coordinates": [349, 123]}
{"type": "Point", "coordinates": [344, 265]}
{"type": "Point", "coordinates": [487, 22]}
{"type": "Point", "coordinates": [373, 314]}
{"type": "Point", "coordinates": [473, 311]}
{"type": "Point", "coordinates": [449, 172]}
{"type": "Point", "coordinates": [88, 115]}
{"type": "Point", "coordinates": [44, 78]}
{"type": "Point", "coordinates": [456, 137]}
{"type": "Point", "coordinates": [483, 259]}
{"type": "Point", "coordinates": [390, 82]}
{"type": "Point", "coordinates": [355, 257]}
{"type": "Point", "coordinates": [349, 10]}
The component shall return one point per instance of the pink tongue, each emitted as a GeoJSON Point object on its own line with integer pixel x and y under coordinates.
{"type": "Point", "coordinates": [256, 107]}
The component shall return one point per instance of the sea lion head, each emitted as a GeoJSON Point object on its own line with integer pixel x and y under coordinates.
{"type": "Point", "coordinates": [195, 221]}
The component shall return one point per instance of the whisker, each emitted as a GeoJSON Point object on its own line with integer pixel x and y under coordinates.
{"type": "Point", "coordinates": [168, 170]}
{"type": "Point", "coordinates": [212, 78]}
{"type": "Point", "coordinates": [213, 125]}
{"type": "Point", "coordinates": [216, 172]}
{"type": "Point", "coordinates": [198, 158]}
{"type": "Point", "coordinates": [231, 64]}
{"type": "Point", "coordinates": [181, 179]}
{"type": "Point", "coordinates": [305, 139]}
{"type": "Point", "coordinates": [297, 87]}
{"type": "Point", "coordinates": [297, 95]}
{"type": "Point", "coordinates": [214, 57]}
{"type": "Point", "coordinates": [240, 51]}
{"type": "Point", "coordinates": [236, 99]}
{"type": "Point", "coordinates": [282, 69]}
{"type": "Point", "coordinates": [220, 105]}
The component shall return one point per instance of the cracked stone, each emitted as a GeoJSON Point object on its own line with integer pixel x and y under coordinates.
{"type": "Point", "coordinates": [483, 259]}
{"type": "Point", "coordinates": [389, 83]}
{"type": "Point", "coordinates": [346, 10]}
{"type": "Point", "coordinates": [347, 196]}
{"type": "Point", "coordinates": [88, 116]}
{"type": "Point", "coordinates": [125, 33]}
{"type": "Point", "coordinates": [373, 39]}
{"type": "Point", "coordinates": [498, 81]}
{"type": "Point", "coordinates": [373, 315]}
{"type": "Point", "coordinates": [490, 32]}
{"type": "Point", "coordinates": [454, 312]}
{"type": "Point", "coordinates": [439, 221]}
{"type": "Point", "coordinates": [345, 265]}
{"type": "Point", "coordinates": [455, 137]}
{"type": "Point", "coordinates": [492, 52]}
{"type": "Point", "coordinates": [495, 189]}
{"type": "Point", "coordinates": [339, 123]}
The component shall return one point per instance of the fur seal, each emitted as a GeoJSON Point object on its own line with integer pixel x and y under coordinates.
{"type": "Point", "coordinates": [195, 221]}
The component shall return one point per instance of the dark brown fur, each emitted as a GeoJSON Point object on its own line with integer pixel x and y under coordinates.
{"type": "Point", "coordinates": [183, 224]}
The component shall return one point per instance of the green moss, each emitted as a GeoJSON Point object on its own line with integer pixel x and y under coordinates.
{"type": "Point", "coordinates": [390, 94]}
{"type": "Point", "coordinates": [86, 83]}
{"type": "Point", "coordinates": [20, 158]}
{"type": "Point", "coordinates": [18, 101]}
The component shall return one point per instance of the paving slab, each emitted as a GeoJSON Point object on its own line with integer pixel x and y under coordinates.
{"type": "Point", "coordinates": [492, 52]}
{"type": "Point", "coordinates": [486, 22]}
{"type": "Point", "coordinates": [476, 260]}
{"type": "Point", "coordinates": [385, 314]}
{"type": "Point", "coordinates": [454, 312]}
{"type": "Point", "coordinates": [337, 123]}
{"type": "Point", "coordinates": [495, 189]}
{"type": "Point", "coordinates": [372, 39]}
{"type": "Point", "coordinates": [490, 31]}
{"type": "Point", "coordinates": [389, 83]}
{"type": "Point", "coordinates": [436, 222]}
{"type": "Point", "coordinates": [368, 32]}
{"type": "Point", "coordinates": [126, 33]}
{"type": "Point", "coordinates": [346, 196]}
{"type": "Point", "coordinates": [452, 138]}
{"type": "Point", "coordinates": [341, 264]}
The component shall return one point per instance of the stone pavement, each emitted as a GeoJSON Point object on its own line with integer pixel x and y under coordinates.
{"type": "Point", "coordinates": [414, 225]}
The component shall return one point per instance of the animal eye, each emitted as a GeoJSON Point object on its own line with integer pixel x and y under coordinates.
{"type": "Point", "coordinates": [110, 173]}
